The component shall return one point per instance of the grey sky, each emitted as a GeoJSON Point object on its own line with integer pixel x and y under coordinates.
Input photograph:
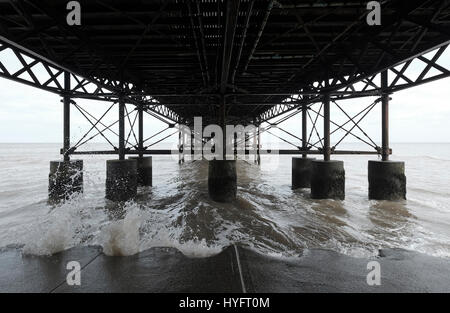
{"type": "Point", "coordinates": [420, 114]}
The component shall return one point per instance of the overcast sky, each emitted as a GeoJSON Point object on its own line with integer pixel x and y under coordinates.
{"type": "Point", "coordinates": [420, 114]}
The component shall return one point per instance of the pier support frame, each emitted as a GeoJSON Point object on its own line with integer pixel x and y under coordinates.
{"type": "Point", "coordinates": [328, 177]}
{"type": "Point", "coordinates": [222, 180]}
{"type": "Point", "coordinates": [387, 180]}
{"type": "Point", "coordinates": [328, 180]}
{"type": "Point", "coordinates": [258, 145]}
{"type": "Point", "coordinates": [144, 170]}
{"type": "Point", "coordinates": [66, 116]}
{"type": "Point", "coordinates": [121, 174]}
{"type": "Point", "coordinates": [302, 167]}
{"type": "Point", "coordinates": [192, 145]}
{"type": "Point", "coordinates": [66, 177]}
{"type": "Point", "coordinates": [301, 172]}
{"type": "Point", "coordinates": [121, 128]}
{"type": "Point", "coordinates": [121, 179]}
{"type": "Point", "coordinates": [144, 164]}
{"type": "Point", "coordinates": [222, 176]}
{"type": "Point", "coordinates": [181, 146]}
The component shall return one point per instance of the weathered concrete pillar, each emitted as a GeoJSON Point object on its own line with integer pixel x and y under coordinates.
{"type": "Point", "coordinates": [121, 179]}
{"type": "Point", "coordinates": [387, 180]}
{"type": "Point", "coordinates": [328, 180]}
{"type": "Point", "coordinates": [301, 172]}
{"type": "Point", "coordinates": [144, 170]}
{"type": "Point", "coordinates": [65, 179]}
{"type": "Point", "coordinates": [222, 180]}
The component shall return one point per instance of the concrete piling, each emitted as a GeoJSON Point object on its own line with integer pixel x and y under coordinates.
{"type": "Point", "coordinates": [222, 180]}
{"type": "Point", "coordinates": [121, 179]}
{"type": "Point", "coordinates": [328, 180]}
{"type": "Point", "coordinates": [301, 172]}
{"type": "Point", "coordinates": [387, 180]}
{"type": "Point", "coordinates": [65, 179]}
{"type": "Point", "coordinates": [144, 170]}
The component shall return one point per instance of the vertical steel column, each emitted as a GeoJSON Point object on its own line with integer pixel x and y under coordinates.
{"type": "Point", "coordinates": [183, 144]}
{"type": "Point", "coordinates": [254, 144]}
{"type": "Point", "coordinates": [246, 144]}
{"type": "Point", "coordinates": [66, 114]}
{"type": "Point", "coordinates": [259, 146]}
{"type": "Point", "coordinates": [385, 117]}
{"type": "Point", "coordinates": [192, 143]}
{"type": "Point", "coordinates": [141, 130]}
{"type": "Point", "coordinates": [235, 146]}
{"type": "Point", "coordinates": [223, 123]}
{"type": "Point", "coordinates": [304, 129]}
{"type": "Point", "coordinates": [326, 128]}
{"type": "Point", "coordinates": [180, 146]}
{"type": "Point", "coordinates": [121, 128]}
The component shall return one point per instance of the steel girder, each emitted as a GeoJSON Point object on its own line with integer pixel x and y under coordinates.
{"type": "Point", "coordinates": [44, 74]}
{"type": "Point", "coordinates": [366, 85]}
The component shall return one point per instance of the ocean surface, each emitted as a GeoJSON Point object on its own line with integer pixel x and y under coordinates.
{"type": "Point", "coordinates": [267, 216]}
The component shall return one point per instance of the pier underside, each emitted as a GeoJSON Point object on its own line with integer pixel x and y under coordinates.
{"type": "Point", "coordinates": [237, 62]}
{"type": "Point", "coordinates": [253, 63]}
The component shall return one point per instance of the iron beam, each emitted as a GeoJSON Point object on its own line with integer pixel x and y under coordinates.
{"type": "Point", "coordinates": [66, 114]}
{"type": "Point", "coordinates": [121, 128]}
{"type": "Point", "coordinates": [141, 130]}
{"type": "Point", "coordinates": [326, 128]}
{"type": "Point", "coordinates": [385, 117]}
{"type": "Point", "coordinates": [304, 128]}
{"type": "Point", "coordinates": [261, 152]}
{"type": "Point", "coordinates": [230, 30]}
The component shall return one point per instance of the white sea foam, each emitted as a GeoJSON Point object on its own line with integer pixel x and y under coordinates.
{"type": "Point", "coordinates": [121, 238]}
{"type": "Point", "coordinates": [55, 232]}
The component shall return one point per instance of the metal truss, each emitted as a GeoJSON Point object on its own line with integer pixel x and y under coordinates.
{"type": "Point", "coordinates": [304, 58]}
{"type": "Point", "coordinates": [313, 143]}
{"type": "Point", "coordinates": [41, 73]}
{"type": "Point", "coordinates": [100, 129]}
{"type": "Point", "coordinates": [362, 85]}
